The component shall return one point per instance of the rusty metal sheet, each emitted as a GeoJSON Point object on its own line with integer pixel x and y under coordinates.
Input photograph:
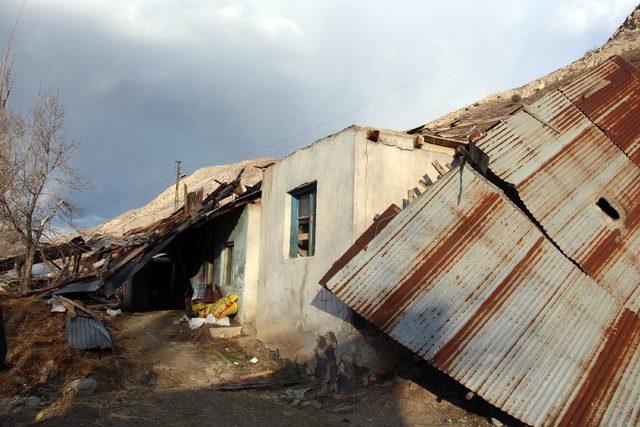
{"type": "Point", "coordinates": [561, 164]}
{"type": "Point", "coordinates": [609, 95]}
{"type": "Point", "coordinates": [465, 280]}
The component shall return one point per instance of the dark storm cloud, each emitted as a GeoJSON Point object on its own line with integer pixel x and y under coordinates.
{"type": "Point", "coordinates": [145, 82]}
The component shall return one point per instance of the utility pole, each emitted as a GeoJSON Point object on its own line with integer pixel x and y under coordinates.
{"type": "Point", "coordinates": [178, 171]}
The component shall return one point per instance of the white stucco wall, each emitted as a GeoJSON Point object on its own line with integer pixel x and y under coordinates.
{"type": "Point", "coordinates": [287, 287]}
{"type": "Point", "coordinates": [356, 179]}
{"type": "Point", "coordinates": [385, 170]}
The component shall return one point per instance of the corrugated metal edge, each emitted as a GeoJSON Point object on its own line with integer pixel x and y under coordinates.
{"type": "Point", "coordinates": [363, 305]}
{"type": "Point", "coordinates": [87, 333]}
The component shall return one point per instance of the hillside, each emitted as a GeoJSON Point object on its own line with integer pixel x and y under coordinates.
{"type": "Point", "coordinates": [482, 114]}
{"type": "Point", "coordinates": [162, 206]}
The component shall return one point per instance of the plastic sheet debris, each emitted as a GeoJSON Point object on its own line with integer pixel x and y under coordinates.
{"type": "Point", "coordinates": [197, 322]}
{"type": "Point", "coordinates": [253, 360]}
{"type": "Point", "coordinates": [56, 305]}
{"type": "Point", "coordinates": [113, 313]}
{"type": "Point", "coordinates": [198, 285]}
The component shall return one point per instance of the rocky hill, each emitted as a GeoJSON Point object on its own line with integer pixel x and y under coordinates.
{"type": "Point", "coordinates": [162, 206]}
{"type": "Point", "coordinates": [625, 42]}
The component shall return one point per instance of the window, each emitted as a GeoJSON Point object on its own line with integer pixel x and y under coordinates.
{"type": "Point", "coordinates": [303, 221]}
{"type": "Point", "coordinates": [226, 264]}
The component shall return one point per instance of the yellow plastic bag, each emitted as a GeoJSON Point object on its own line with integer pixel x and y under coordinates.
{"type": "Point", "coordinates": [201, 309]}
{"type": "Point", "coordinates": [225, 306]}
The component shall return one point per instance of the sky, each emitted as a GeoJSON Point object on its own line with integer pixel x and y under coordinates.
{"type": "Point", "coordinates": [146, 82]}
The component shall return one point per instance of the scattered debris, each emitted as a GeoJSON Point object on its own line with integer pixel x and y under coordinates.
{"type": "Point", "coordinates": [56, 306]}
{"type": "Point", "coordinates": [253, 360]}
{"type": "Point", "coordinates": [197, 322]}
{"type": "Point", "coordinates": [113, 313]}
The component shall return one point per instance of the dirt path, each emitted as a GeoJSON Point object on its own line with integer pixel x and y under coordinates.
{"type": "Point", "coordinates": [166, 372]}
{"type": "Point", "coordinates": [177, 357]}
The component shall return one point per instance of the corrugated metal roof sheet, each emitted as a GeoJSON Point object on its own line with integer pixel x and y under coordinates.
{"type": "Point", "coordinates": [560, 175]}
{"type": "Point", "coordinates": [495, 293]}
{"type": "Point", "coordinates": [466, 281]}
{"type": "Point", "coordinates": [609, 95]}
{"type": "Point", "coordinates": [87, 333]}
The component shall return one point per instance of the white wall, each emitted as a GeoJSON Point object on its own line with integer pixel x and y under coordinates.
{"type": "Point", "coordinates": [356, 179]}
{"type": "Point", "coordinates": [288, 287]}
{"type": "Point", "coordinates": [386, 169]}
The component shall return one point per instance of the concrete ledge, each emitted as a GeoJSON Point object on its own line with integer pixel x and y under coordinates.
{"type": "Point", "coordinates": [225, 331]}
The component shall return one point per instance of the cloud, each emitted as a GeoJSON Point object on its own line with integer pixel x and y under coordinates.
{"type": "Point", "coordinates": [148, 82]}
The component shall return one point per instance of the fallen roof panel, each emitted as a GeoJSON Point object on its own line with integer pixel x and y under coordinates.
{"type": "Point", "coordinates": [465, 280]}
{"type": "Point", "coordinates": [87, 333]}
{"type": "Point", "coordinates": [609, 95]}
{"type": "Point", "coordinates": [561, 165]}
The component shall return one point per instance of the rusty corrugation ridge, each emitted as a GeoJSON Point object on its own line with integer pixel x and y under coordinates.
{"type": "Point", "coordinates": [609, 95]}
{"type": "Point", "coordinates": [499, 308]}
{"type": "Point", "coordinates": [508, 141]}
{"type": "Point", "coordinates": [561, 175]}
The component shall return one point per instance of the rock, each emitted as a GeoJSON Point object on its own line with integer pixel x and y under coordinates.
{"type": "Point", "coordinates": [496, 423]}
{"type": "Point", "coordinates": [6, 403]}
{"type": "Point", "coordinates": [226, 376]}
{"type": "Point", "coordinates": [120, 364]}
{"type": "Point", "coordinates": [30, 401]}
{"type": "Point", "coordinates": [147, 378]}
{"type": "Point", "coordinates": [225, 331]}
{"type": "Point", "coordinates": [344, 409]}
{"type": "Point", "coordinates": [83, 386]}
{"type": "Point", "coordinates": [297, 394]}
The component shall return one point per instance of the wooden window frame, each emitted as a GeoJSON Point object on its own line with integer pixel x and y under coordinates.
{"type": "Point", "coordinates": [296, 194]}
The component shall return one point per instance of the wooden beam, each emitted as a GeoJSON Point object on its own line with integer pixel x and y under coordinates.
{"type": "Point", "coordinates": [441, 169]}
{"type": "Point", "coordinates": [187, 208]}
{"type": "Point", "coordinates": [443, 142]}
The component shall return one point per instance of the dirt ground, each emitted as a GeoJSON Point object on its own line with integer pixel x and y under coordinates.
{"type": "Point", "coordinates": [161, 372]}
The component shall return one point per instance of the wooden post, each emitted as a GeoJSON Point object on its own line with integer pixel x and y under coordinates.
{"type": "Point", "coordinates": [178, 170]}
{"type": "Point", "coordinates": [186, 198]}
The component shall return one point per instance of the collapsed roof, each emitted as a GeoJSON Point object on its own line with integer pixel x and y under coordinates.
{"type": "Point", "coordinates": [107, 262]}
{"type": "Point", "coordinates": [524, 283]}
